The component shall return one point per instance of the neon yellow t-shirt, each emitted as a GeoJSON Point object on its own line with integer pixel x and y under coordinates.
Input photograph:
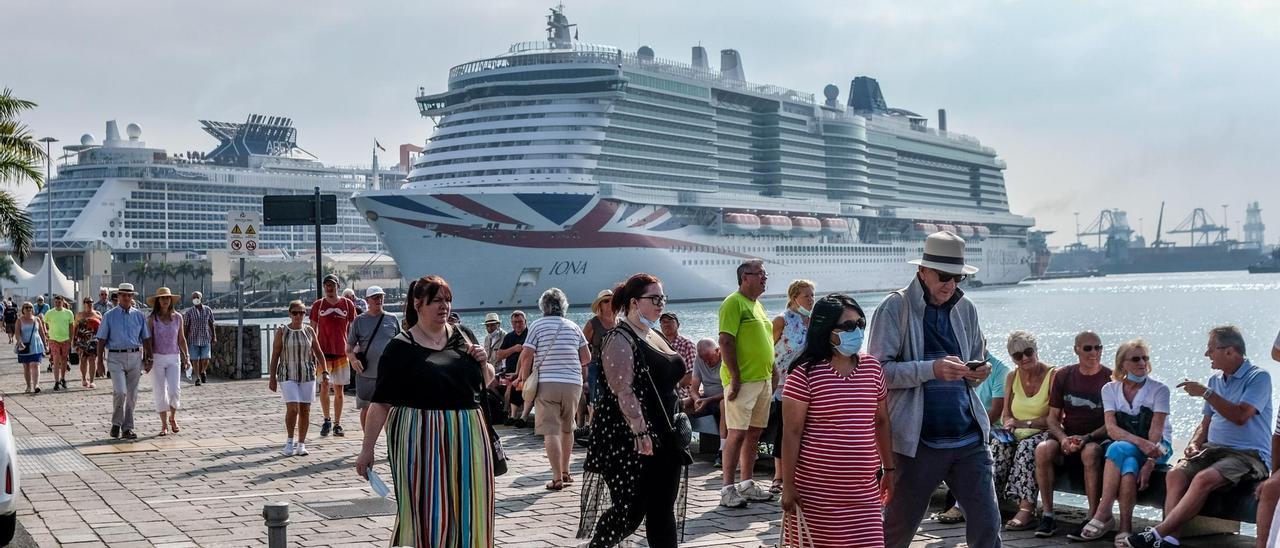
{"type": "Point", "coordinates": [60, 322]}
{"type": "Point", "coordinates": [746, 321]}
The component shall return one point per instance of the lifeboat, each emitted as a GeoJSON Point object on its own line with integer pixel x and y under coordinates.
{"type": "Point", "coordinates": [926, 228]}
{"type": "Point", "coordinates": [832, 225]}
{"type": "Point", "coordinates": [948, 228]}
{"type": "Point", "coordinates": [777, 224]}
{"type": "Point", "coordinates": [806, 225]}
{"type": "Point", "coordinates": [741, 223]}
{"type": "Point", "coordinates": [983, 232]}
{"type": "Point", "coordinates": [965, 231]}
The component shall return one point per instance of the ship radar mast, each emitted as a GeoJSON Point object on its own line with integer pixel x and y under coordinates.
{"type": "Point", "coordinates": [558, 29]}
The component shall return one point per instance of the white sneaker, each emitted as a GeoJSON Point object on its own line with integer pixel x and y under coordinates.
{"type": "Point", "coordinates": [288, 448]}
{"type": "Point", "coordinates": [729, 498]}
{"type": "Point", "coordinates": [301, 450]}
{"type": "Point", "coordinates": [754, 493]}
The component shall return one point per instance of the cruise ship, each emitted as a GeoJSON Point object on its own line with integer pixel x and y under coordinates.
{"type": "Point", "coordinates": [120, 200]}
{"type": "Point", "coordinates": [573, 165]}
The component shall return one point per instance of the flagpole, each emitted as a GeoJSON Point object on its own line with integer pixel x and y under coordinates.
{"type": "Point", "coordinates": [374, 184]}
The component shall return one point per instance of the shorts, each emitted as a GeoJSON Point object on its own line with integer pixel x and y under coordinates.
{"type": "Point", "coordinates": [298, 392]}
{"type": "Point", "coordinates": [555, 407]}
{"type": "Point", "coordinates": [364, 390]}
{"type": "Point", "coordinates": [59, 350]}
{"type": "Point", "coordinates": [200, 351]}
{"type": "Point", "coordinates": [30, 358]}
{"type": "Point", "coordinates": [750, 408]}
{"type": "Point", "coordinates": [339, 373]}
{"type": "Point", "coordinates": [9, 327]}
{"type": "Point", "coordinates": [593, 381]}
{"type": "Point", "coordinates": [1235, 465]}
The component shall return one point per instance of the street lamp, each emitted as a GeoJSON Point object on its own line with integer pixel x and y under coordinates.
{"type": "Point", "coordinates": [48, 201]}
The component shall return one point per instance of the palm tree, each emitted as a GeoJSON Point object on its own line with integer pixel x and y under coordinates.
{"type": "Point", "coordinates": [140, 271]}
{"type": "Point", "coordinates": [164, 271]}
{"type": "Point", "coordinates": [352, 277]}
{"type": "Point", "coordinates": [184, 269]}
{"type": "Point", "coordinates": [254, 276]}
{"type": "Point", "coordinates": [202, 271]}
{"type": "Point", "coordinates": [20, 159]}
{"type": "Point", "coordinates": [6, 269]}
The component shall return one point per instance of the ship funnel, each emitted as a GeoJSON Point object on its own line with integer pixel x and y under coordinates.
{"type": "Point", "coordinates": [645, 53]}
{"type": "Point", "coordinates": [731, 64]}
{"type": "Point", "coordinates": [865, 95]}
{"type": "Point", "coordinates": [113, 134]}
{"type": "Point", "coordinates": [700, 58]}
{"type": "Point", "coordinates": [942, 119]}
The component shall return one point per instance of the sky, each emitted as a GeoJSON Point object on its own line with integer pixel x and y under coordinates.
{"type": "Point", "coordinates": [1093, 104]}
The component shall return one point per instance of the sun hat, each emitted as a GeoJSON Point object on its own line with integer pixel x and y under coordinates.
{"type": "Point", "coordinates": [492, 317]}
{"type": "Point", "coordinates": [125, 288]}
{"type": "Point", "coordinates": [602, 295]}
{"type": "Point", "coordinates": [944, 252]}
{"type": "Point", "coordinates": [164, 292]}
{"type": "Point", "coordinates": [373, 290]}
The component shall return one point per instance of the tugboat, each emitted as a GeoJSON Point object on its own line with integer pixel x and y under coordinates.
{"type": "Point", "coordinates": [1269, 266]}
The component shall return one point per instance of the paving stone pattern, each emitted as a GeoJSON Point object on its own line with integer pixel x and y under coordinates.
{"type": "Point", "coordinates": [206, 485]}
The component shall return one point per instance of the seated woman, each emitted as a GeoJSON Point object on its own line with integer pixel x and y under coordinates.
{"type": "Point", "coordinates": [1025, 420]}
{"type": "Point", "coordinates": [1137, 418]}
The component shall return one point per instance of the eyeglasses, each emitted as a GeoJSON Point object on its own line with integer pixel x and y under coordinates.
{"type": "Point", "coordinates": [1136, 359]}
{"type": "Point", "coordinates": [657, 300]}
{"type": "Point", "coordinates": [1028, 353]}
{"type": "Point", "coordinates": [945, 277]}
{"type": "Point", "coordinates": [851, 325]}
{"type": "Point", "coordinates": [1091, 347]}
{"type": "Point", "coordinates": [297, 312]}
{"type": "Point", "coordinates": [760, 274]}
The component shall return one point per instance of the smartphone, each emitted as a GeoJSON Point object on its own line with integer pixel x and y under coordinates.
{"type": "Point", "coordinates": [974, 365]}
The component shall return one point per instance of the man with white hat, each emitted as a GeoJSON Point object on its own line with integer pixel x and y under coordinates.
{"type": "Point", "coordinates": [493, 338]}
{"type": "Point", "coordinates": [369, 335]}
{"type": "Point", "coordinates": [931, 348]}
{"type": "Point", "coordinates": [121, 338]}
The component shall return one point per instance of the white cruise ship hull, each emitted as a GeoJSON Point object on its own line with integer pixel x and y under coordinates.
{"type": "Point", "coordinates": [502, 249]}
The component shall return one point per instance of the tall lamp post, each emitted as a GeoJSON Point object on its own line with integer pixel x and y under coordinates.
{"type": "Point", "coordinates": [48, 201]}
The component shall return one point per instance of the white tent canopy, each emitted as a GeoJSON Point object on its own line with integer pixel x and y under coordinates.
{"type": "Point", "coordinates": [29, 285]}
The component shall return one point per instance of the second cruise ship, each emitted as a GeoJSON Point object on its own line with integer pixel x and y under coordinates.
{"type": "Point", "coordinates": [573, 165]}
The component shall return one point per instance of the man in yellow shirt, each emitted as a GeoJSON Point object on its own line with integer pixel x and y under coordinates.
{"type": "Point", "coordinates": [746, 343]}
{"type": "Point", "coordinates": [59, 321]}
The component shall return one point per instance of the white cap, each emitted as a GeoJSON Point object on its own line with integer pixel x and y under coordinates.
{"type": "Point", "coordinates": [373, 290]}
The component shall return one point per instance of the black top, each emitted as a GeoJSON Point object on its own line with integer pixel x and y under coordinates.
{"type": "Point", "coordinates": [509, 340]}
{"type": "Point", "coordinates": [596, 343]}
{"type": "Point", "coordinates": [667, 370]}
{"type": "Point", "coordinates": [411, 375]}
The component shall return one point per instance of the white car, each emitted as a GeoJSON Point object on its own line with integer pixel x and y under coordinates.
{"type": "Point", "coordinates": [9, 491]}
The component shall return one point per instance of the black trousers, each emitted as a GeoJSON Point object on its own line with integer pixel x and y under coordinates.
{"type": "Point", "coordinates": [651, 499]}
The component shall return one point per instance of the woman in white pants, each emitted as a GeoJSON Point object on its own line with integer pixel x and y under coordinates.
{"type": "Point", "coordinates": [294, 356]}
{"type": "Point", "coordinates": [168, 356]}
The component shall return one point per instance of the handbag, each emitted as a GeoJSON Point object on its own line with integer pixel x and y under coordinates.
{"type": "Point", "coordinates": [530, 388]}
{"type": "Point", "coordinates": [677, 424]}
{"type": "Point", "coordinates": [498, 455]}
{"type": "Point", "coordinates": [74, 357]}
{"type": "Point", "coordinates": [21, 347]}
{"type": "Point", "coordinates": [803, 537]}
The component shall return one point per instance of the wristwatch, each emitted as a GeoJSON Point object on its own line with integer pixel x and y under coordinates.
{"type": "Point", "coordinates": [1207, 392]}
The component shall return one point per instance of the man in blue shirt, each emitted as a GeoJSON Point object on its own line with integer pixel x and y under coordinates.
{"type": "Point", "coordinates": [41, 306]}
{"type": "Point", "coordinates": [124, 343]}
{"type": "Point", "coordinates": [1232, 443]}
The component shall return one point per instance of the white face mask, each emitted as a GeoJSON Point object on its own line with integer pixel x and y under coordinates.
{"type": "Point", "coordinates": [195, 302]}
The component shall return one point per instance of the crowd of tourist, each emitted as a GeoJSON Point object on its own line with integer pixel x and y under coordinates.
{"type": "Point", "coordinates": [866, 414]}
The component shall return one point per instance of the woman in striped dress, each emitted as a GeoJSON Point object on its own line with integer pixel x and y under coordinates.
{"type": "Point", "coordinates": [294, 356]}
{"type": "Point", "coordinates": [836, 444]}
{"type": "Point", "coordinates": [428, 396]}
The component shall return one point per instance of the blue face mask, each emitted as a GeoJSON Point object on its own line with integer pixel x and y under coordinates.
{"type": "Point", "coordinates": [1136, 378]}
{"type": "Point", "coordinates": [803, 311]}
{"type": "Point", "coordinates": [651, 324]}
{"type": "Point", "coordinates": [850, 342]}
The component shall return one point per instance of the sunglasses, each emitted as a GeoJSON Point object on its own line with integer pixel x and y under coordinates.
{"type": "Point", "coordinates": [657, 300]}
{"type": "Point", "coordinates": [1017, 356]}
{"type": "Point", "coordinates": [297, 312]}
{"type": "Point", "coordinates": [1137, 359]}
{"type": "Point", "coordinates": [760, 274]}
{"type": "Point", "coordinates": [945, 277]}
{"type": "Point", "coordinates": [1091, 347]}
{"type": "Point", "coordinates": [851, 325]}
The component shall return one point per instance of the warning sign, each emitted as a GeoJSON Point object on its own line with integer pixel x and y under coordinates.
{"type": "Point", "coordinates": [242, 233]}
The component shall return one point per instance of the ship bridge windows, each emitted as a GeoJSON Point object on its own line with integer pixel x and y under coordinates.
{"type": "Point", "coordinates": [530, 75]}
{"type": "Point", "coordinates": [663, 84]}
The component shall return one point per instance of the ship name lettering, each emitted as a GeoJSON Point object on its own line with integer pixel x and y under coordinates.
{"type": "Point", "coordinates": [561, 268]}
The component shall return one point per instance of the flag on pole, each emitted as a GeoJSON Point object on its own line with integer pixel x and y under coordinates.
{"type": "Point", "coordinates": [575, 34]}
{"type": "Point", "coordinates": [379, 145]}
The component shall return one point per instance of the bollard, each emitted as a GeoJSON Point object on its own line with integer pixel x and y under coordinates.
{"type": "Point", "coordinates": [276, 515]}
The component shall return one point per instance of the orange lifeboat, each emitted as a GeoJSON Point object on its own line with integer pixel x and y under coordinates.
{"type": "Point", "coordinates": [833, 225]}
{"type": "Point", "coordinates": [948, 228]}
{"type": "Point", "coordinates": [966, 231]}
{"type": "Point", "coordinates": [983, 232]}
{"type": "Point", "coordinates": [777, 224]}
{"type": "Point", "coordinates": [741, 223]}
{"type": "Point", "coordinates": [926, 228]}
{"type": "Point", "coordinates": [806, 225]}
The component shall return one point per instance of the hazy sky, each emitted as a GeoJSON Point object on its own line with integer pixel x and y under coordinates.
{"type": "Point", "coordinates": [1094, 105]}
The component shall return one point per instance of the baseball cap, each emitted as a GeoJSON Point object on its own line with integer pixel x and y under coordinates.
{"type": "Point", "coordinates": [670, 316]}
{"type": "Point", "coordinates": [332, 278]}
{"type": "Point", "coordinates": [373, 290]}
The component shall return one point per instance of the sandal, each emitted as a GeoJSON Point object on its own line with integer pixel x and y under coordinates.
{"type": "Point", "coordinates": [555, 485]}
{"type": "Point", "coordinates": [1122, 540]}
{"type": "Point", "coordinates": [954, 515]}
{"type": "Point", "coordinates": [567, 479]}
{"type": "Point", "coordinates": [776, 487]}
{"type": "Point", "coordinates": [162, 433]}
{"type": "Point", "coordinates": [1094, 529]}
{"type": "Point", "coordinates": [1016, 524]}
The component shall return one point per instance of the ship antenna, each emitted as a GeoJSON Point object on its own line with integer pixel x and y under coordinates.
{"type": "Point", "coordinates": [558, 28]}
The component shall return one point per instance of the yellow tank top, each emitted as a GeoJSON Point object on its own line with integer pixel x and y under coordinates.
{"type": "Point", "coordinates": [1026, 407]}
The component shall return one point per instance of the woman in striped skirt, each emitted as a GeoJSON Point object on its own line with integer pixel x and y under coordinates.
{"type": "Point", "coordinates": [428, 396]}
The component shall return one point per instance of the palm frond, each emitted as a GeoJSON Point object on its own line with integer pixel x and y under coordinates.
{"type": "Point", "coordinates": [15, 224]}
{"type": "Point", "coordinates": [10, 106]}
{"type": "Point", "coordinates": [6, 269]}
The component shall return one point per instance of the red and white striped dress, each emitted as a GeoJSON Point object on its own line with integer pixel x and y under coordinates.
{"type": "Point", "coordinates": [835, 475]}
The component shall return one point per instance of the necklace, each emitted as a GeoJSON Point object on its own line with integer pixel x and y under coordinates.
{"type": "Point", "coordinates": [431, 341]}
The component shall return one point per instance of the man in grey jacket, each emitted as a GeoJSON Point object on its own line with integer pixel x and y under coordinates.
{"type": "Point", "coordinates": [924, 335]}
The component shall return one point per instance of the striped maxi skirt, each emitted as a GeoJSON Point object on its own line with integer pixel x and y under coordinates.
{"type": "Point", "coordinates": [443, 475]}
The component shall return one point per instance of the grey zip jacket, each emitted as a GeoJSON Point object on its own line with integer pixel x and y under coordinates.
{"type": "Point", "coordinates": [901, 353]}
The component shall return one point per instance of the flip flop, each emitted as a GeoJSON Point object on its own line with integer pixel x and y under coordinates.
{"type": "Point", "coordinates": [776, 488]}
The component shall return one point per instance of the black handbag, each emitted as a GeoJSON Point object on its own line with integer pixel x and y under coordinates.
{"type": "Point", "coordinates": [678, 425]}
{"type": "Point", "coordinates": [497, 454]}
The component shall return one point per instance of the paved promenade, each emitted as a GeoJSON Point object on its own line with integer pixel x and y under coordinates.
{"type": "Point", "coordinates": [206, 485]}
